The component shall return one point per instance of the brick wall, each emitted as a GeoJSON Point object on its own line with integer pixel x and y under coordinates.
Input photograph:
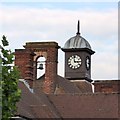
{"type": "Point", "coordinates": [107, 86]}
{"type": "Point", "coordinates": [51, 69]}
{"type": "Point", "coordinates": [24, 61]}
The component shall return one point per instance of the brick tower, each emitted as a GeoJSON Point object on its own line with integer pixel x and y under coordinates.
{"type": "Point", "coordinates": [26, 60]}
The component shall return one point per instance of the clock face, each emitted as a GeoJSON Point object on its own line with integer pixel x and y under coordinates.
{"type": "Point", "coordinates": [74, 61]}
{"type": "Point", "coordinates": [87, 63]}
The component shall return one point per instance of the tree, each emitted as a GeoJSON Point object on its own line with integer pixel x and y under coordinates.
{"type": "Point", "coordinates": [0, 87]}
{"type": "Point", "coordinates": [10, 76]}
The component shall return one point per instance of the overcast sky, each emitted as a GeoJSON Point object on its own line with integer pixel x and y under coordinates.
{"type": "Point", "coordinates": [25, 22]}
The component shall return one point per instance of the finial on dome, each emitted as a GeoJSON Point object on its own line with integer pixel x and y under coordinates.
{"type": "Point", "coordinates": [78, 28]}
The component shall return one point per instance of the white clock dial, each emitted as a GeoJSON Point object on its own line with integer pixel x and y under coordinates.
{"type": "Point", "coordinates": [74, 61]}
{"type": "Point", "coordinates": [87, 63]}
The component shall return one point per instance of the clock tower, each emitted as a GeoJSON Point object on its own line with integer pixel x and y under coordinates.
{"type": "Point", "coordinates": [78, 58]}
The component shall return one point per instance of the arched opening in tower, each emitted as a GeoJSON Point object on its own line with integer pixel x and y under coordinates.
{"type": "Point", "coordinates": [40, 66]}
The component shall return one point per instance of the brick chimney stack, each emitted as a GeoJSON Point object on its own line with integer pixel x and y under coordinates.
{"type": "Point", "coordinates": [24, 61]}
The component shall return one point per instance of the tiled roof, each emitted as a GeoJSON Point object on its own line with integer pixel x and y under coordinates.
{"type": "Point", "coordinates": [65, 86]}
{"type": "Point", "coordinates": [72, 103]}
{"type": "Point", "coordinates": [35, 105]}
{"type": "Point", "coordinates": [87, 105]}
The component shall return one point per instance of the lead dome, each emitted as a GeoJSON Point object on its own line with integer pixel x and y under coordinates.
{"type": "Point", "coordinates": [77, 42]}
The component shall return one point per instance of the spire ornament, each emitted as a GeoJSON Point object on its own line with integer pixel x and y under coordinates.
{"type": "Point", "coordinates": [78, 28]}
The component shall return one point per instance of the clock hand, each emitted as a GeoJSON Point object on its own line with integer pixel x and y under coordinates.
{"type": "Point", "coordinates": [75, 61]}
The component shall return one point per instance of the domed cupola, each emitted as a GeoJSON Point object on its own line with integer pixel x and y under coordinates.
{"type": "Point", "coordinates": [77, 41]}
{"type": "Point", "coordinates": [78, 58]}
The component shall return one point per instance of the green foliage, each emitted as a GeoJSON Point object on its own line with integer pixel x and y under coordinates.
{"type": "Point", "coordinates": [0, 88]}
{"type": "Point", "coordinates": [10, 76]}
